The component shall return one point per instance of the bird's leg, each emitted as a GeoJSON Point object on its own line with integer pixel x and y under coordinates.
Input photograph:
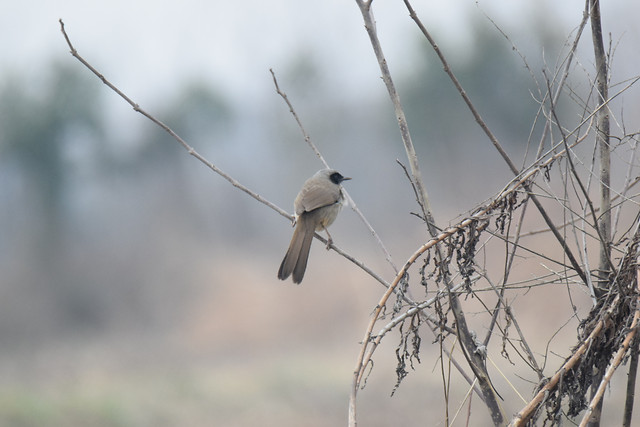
{"type": "Point", "coordinates": [329, 239]}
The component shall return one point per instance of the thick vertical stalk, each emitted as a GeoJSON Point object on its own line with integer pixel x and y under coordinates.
{"type": "Point", "coordinates": [474, 359]}
{"type": "Point", "coordinates": [602, 141]}
{"type": "Point", "coordinates": [631, 384]}
{"type": "Point", "coordinates": [423, 198]}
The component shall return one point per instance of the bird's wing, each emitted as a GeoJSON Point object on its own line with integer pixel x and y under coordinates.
{"type": "Point", "coordinates": [310, 199]}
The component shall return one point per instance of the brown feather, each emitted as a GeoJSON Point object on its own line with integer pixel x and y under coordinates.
{"type": "Point", "coordinates": [295, 260]}
{"type": "Point", "coordinates": [316, 194]}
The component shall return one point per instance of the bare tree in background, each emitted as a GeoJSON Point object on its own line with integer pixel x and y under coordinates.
{"type": "Point", "coordinates": [557, 223]}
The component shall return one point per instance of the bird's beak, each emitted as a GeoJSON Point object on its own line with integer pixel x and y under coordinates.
{"type": "Point", "coordinates": [346, 178]}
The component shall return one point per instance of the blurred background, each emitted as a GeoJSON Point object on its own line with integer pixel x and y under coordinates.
{"type": "Point", "coordinates": [138, 288]}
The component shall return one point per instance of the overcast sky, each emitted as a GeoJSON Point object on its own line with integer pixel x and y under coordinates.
{"type": "Point", "coordinates": [150, 48]}
{"type": "Point", "coordinates": [149, 44]}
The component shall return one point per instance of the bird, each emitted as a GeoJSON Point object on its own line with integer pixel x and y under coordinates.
{"type": "Point", "coordinates": [316, 207]}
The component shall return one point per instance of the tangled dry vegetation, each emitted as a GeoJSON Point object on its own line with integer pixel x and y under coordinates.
{"type": "Point", "coordinates": [593, 228]}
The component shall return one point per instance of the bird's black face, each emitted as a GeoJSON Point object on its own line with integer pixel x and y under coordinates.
{"type": "Point", "coordinates": [337, 178]}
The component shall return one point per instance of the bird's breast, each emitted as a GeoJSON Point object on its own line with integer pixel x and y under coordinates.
{"type": "Point", "coordinates": [327, 214]}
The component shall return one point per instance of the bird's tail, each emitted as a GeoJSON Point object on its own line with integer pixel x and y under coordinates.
{"type": "Point", "coordinates": [295, 261]}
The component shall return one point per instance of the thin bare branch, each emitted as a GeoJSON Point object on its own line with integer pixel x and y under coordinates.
{"type": "Point", "coordinates": [350, 201]}
{"type": "Point", "coordinates": [447, 68]}
{"type": "Point", "coordinates": [166, 128]}
{"type": "Point", "coordinates": [602, 235]}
